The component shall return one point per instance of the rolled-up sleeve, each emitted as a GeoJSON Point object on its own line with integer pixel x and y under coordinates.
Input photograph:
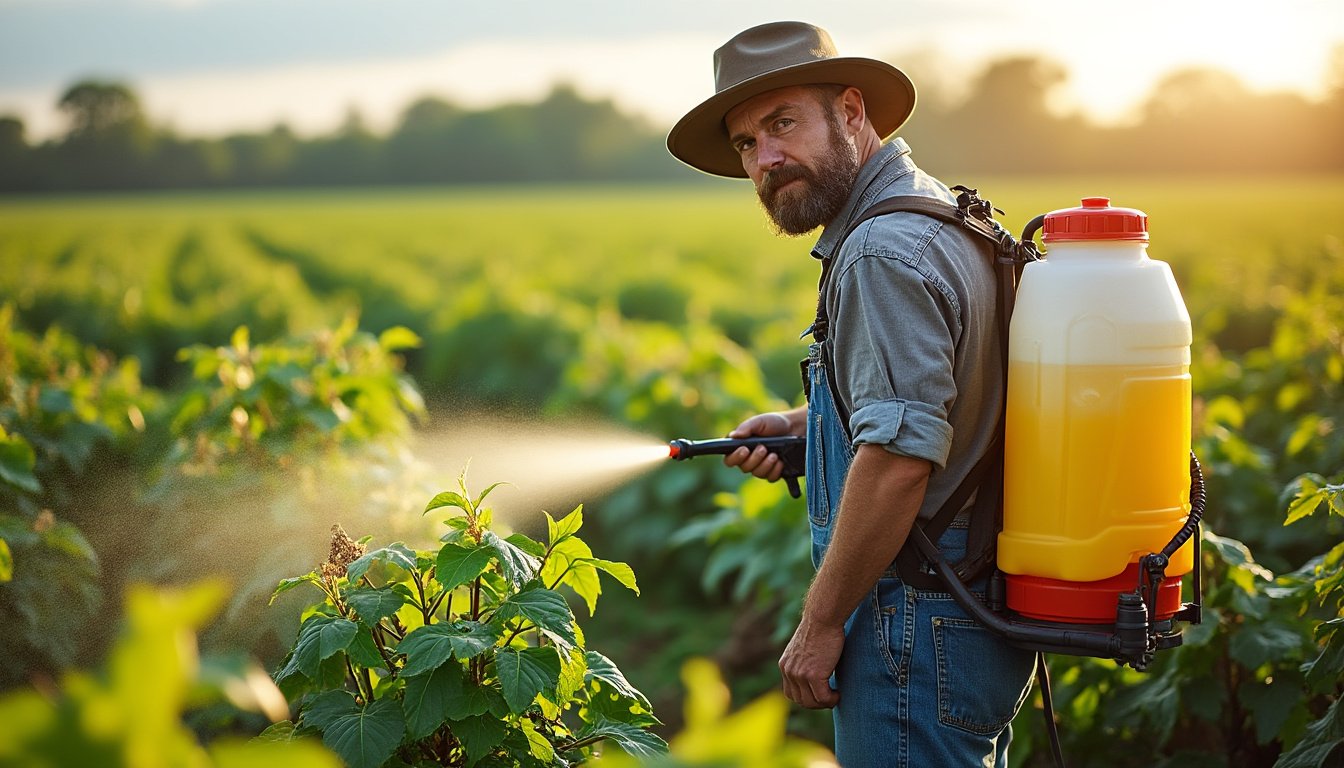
{"type": "Point", "coordinates": [894, 331]}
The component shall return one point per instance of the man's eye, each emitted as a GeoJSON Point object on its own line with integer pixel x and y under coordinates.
{"type": "Point", "coordinates": [783, 122]}
{"type": "Point", "coordinates": [745, 145]}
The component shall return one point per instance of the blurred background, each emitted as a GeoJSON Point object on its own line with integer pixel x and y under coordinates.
{"type": "Point", "coordinates": [270, 266]}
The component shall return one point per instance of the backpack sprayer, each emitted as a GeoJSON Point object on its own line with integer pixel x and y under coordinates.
{"type": "Point", "coordinates": [1089, 505]}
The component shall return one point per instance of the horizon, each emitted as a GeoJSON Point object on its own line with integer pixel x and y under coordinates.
{"type": "Point", "coordinates": [217, 67]}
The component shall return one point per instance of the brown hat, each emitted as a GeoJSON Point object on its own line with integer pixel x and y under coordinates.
{"type": "Point", "coordinates": [778, 55]}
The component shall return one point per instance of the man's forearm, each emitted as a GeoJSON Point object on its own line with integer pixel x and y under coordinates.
{"type": "Point", "coordinates": [882, 497]}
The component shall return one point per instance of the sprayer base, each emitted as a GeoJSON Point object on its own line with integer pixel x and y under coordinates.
{"type": "Point", "coordinates": [1084, 602]}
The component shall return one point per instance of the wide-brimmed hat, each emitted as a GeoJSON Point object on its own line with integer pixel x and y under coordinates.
{"type": "Point", "coordinates": [778, 55]}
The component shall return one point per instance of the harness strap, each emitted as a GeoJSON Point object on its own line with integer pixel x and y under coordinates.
{"type": "Point", "coordinates": [986, 477]}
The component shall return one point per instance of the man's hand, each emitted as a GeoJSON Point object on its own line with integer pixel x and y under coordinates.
{"type": "Point", "coordinates": [808, 662]}
{"type": "Point", "coordinates": [761, 462]}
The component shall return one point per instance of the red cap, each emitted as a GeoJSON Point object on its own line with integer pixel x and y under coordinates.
{"type": "Point", "coordinates": [1095, 220]}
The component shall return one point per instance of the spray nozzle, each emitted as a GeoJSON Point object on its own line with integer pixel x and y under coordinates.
{"type": "Point", "coordinates": [790, 449]}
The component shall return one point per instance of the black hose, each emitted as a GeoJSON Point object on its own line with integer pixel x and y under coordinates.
{"type": "Point", "coordinates": [1198, 499]}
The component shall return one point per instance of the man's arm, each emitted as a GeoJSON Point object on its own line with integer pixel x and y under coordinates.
{"type": "Point", "coordinates": [883, 494]}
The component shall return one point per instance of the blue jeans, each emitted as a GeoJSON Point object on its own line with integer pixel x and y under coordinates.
{"type": "Point", "coordinates": [921, 683]}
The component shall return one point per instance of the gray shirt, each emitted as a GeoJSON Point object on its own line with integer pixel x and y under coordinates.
{"type": "Point", "coordinates": [915, 349]}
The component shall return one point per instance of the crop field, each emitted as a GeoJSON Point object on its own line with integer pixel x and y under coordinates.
{"type": "Point", "coordinates": [674, 312]}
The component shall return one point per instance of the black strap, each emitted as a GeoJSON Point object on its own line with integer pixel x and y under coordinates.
{"type": "Point", "coordinates": [986, 477]}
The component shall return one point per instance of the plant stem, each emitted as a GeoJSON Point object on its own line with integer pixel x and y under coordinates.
{"type": "Point", "coordinates": [425, 610]}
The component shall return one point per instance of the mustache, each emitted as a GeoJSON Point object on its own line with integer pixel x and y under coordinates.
{"type": "Point", "coordinates": [773, 180]}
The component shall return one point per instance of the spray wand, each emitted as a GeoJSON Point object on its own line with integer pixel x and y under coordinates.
{"type": "Point", "coordinates": [790, 449]}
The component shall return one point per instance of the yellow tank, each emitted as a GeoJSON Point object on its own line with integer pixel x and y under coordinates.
{"type": "Point", "coordinates": [1097, 436]}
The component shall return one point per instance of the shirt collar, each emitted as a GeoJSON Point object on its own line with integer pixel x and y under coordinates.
{"type": "Point", "coordinates": [885, 166]}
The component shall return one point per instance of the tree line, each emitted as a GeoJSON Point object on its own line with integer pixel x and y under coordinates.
{"type": "Point", "coordinates": [1193, 121]}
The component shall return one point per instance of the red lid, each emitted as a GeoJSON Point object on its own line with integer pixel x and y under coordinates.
{"type": "Point", "coordinates": [1095, 220]}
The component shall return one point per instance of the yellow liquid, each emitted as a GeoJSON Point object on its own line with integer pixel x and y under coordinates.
{"type": "Point", "coordinates": [1098, 468]}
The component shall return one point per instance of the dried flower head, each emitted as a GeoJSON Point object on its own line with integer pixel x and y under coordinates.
{"type": "Point", "coordinates": [344, 551]}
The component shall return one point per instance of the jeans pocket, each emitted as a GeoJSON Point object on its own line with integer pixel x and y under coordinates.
{"type": "Point", "coordinates": [982, 681]}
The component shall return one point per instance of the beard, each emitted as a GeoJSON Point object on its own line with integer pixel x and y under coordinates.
{"type": "Point", "coordinates": [821, 193]}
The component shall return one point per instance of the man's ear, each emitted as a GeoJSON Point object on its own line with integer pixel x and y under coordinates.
{"type": "Point", "coordinates": [852, 110]}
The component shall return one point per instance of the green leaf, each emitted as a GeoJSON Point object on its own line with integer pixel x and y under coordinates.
{"type": "Point", "coordinates": [1323, 740]}
{"type": "Point", "coordinates": [1270, 704]}
{"type": "Point", "coordinates": [1255, 644]}
{"type": "Point", "coordinates": [325, 708]}
{"type": "Point", "coordinates": [620, 571]}
{"type": "Point", "coordinates": [523, 674]}
{"type": "Point", "coordinates": [319, 638]}
{"type": "Point", "coordinates": [567, 526]}
{"type": "Point", "coordinates": [1311, 492]}
{"type": "Point", "coordinates": [479, 735]}
{"type": "Point", "coordinates": [374, 604]}
{"type": "Point", "coordinates": [17, 460]}
{"type": "Point", "coordinates": [426, 648]}
{"type": "Point", "coordinates": [297, 753]}
{"type": "Point", "coordinates": [458, 565]}
{"type": "Point", "coordinates": [365, 739]}
{"type": "Point", "coordinates": [364, 652]}
{"type": "Point", "coordinates": [526, 544]}
{"type": "Point", "coordinates": [517, 566]}
{"type": "Point", "coordinates": [537, 745]}
{"type": "Point", "coordinates": [636, 742]}
{"type": "Point", "coordinates": [284, 731]}
{"type": "Point", "coordinates": [428, 697]}
{"type": "Point", "coordinates": [477, 700]}
{"type": "Point", "coordinates": [398, 337]}
{"type": "Point", "coordinates": [397, 554]}
{"type": "Point", "coordinates": [602, 668]}
{"type": "Point", "coordinates": [1328, 667]}
{"type": "Point", "coordinates": [481, 497]}
{"type": "Point", "coordinates": [546, 609]}
{"type": "Point", "coordinates": [448, 499]}
{"type": "Point", "coordinates": [288, 584]}
{"type": "Point", "coordinates": [6, 562]}
{"type": "Point", "coordinates": [429, 646]}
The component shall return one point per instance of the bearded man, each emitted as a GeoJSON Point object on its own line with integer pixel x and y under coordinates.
{"type": "Point", "coordinates": [904, 391]}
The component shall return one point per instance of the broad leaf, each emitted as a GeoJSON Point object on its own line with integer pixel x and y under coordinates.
{"type": "Point", "coordinates": [429, 646]}
{"type": "Point", "coordinates": [17, 460]}
{"type": "Point", "coordinates": [546, 609]}
{"type": "Point", "coordinates": [366, 738]}
{"type": "Point", "coordinates": [326, 708]}
{"type": "Point", "coordinates": [480, 735]}
{"type": "Point", "coordinates": [602, 668]}
{"type": "Point", "coordinates": [398, 337]}
{"type": "Point", "coordinates": [6, 562]}
{"type": "Point", "coordinates": [526, 673]}
{"type": "Point", "coordinates": [397, 554]}
{"type": "Point", "coordinates": [458, 565]}
{"type": "Point", "coordinates": [447, 499]}
{"type": "Point", "coordinates": [428, 698]}
{"type": "Point", "coordinates": [426, 648]}
{"type": "Point", "coordinates": [477, 700]}
{"type": "Point", "coordinates": [636, 742]}
{"type": "Point", "coordinates": [1257, 643]}
{"type": "Point", "coordinates": [517, 566]}
{"type": "Point", "coordinates": [374, 604]}
{"type": "Point", "coordinates": [620, 571]}
{"type": "Point", "coordinates": [528, 545]}
{"type": "Point", "coordinates": [288, 584]}
{"type": "Point", "coordinates": [537, 745]}
{"type": "Point", "coordinates": [566, 527]}
{"type": "Point", "coordinates": [319, 638]}
{"type": "Point", "coordinates": [364, 652]}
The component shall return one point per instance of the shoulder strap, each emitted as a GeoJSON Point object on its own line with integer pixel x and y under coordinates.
{"type": "Point", "coordinates": [976, 216]}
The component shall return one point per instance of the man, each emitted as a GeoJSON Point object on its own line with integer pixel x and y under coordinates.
{"type": "Point", "coordinates": [906, 347]}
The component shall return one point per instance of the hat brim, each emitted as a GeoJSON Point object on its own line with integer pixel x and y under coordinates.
{"type": "Point", "coordinates": [700, 138]}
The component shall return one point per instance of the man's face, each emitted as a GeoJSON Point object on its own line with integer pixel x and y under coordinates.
{"type": "Point", "coordinates": [795, 149]}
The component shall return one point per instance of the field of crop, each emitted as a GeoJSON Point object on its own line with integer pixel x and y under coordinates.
{"type": "Point", "coordinates": [675, 312]}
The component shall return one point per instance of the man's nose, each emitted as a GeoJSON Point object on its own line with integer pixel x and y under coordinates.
{"type": "Point", "coordinates": [769, 154]}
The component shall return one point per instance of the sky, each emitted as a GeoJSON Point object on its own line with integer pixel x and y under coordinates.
{"type": "Point", "coordinates": [211, 67]}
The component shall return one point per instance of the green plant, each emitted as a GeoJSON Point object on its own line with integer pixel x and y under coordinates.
{"type": "Point", "coordinates": [128, 713]}
{"type": "Point", "coordinates": [67, 412]}
{"type": "Point", "coordinates": [462, 656]}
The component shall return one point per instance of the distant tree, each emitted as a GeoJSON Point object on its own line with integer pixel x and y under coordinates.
{"type": "Point", "coordinates": [108, 139]}
{"type": "Point", "coordinates": [418, 150]}
{"type": "Point", "coordinates": [15, 156]}
{"type": "Point", "coordinates": [262, 159]}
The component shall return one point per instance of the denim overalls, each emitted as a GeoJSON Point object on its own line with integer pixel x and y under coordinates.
{"type": "Point", "coordinates": [921, 683]}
